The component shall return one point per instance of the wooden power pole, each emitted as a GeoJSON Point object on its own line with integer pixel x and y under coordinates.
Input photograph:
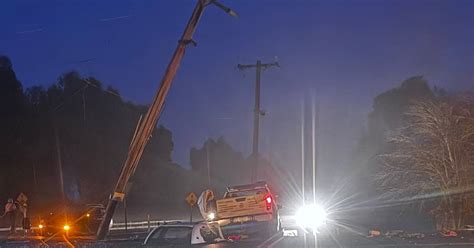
{"type": "Point", "coordinates": [257, 112]}
{"type": "Point", "coordinates": [148, 123]}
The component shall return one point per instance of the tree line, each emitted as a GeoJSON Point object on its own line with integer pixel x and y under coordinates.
{"type": "Point", "coordinates": [416, 152]}
{"type": "Point", "coordinates": [81, 129]}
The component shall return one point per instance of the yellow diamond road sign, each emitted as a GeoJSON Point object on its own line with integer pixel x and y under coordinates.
{"type": "Point", "coordinates": [191, 199]}
{"type": "Point", "coordinates": [22, 198]}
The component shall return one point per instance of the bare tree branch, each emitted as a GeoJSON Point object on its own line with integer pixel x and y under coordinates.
{"type": "Point", "coordinates": [433, 154]}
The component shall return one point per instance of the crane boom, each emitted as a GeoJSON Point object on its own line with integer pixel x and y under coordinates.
{"type": "Point", "coordinates": [148, 123]}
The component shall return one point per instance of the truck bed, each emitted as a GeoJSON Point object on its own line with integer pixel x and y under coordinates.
{"type": "Point", "coordinates": [241, 206]}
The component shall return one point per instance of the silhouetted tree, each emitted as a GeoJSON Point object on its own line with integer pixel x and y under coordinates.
{"type": "Point", "coordinates": [90, 126]}
{"type": "Point", "coordinates": [11, 127]}
{"type": "Point", "coordinates": [226, 166]}
{"type": "Point", "coordinates": [387, 115]}
{"type": "Point", "coordinates": [432, 158]}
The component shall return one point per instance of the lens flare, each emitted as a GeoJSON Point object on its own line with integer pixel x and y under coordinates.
{"type": "Point", "coordinates": [211, 216]}
{"type": "Point", "coordinates": [311, 216]}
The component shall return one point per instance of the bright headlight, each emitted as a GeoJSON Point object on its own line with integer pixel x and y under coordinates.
{"type": "Point", "coordinates": [211, 216]}
{"type": "Point", "coordinates": [311, 216]}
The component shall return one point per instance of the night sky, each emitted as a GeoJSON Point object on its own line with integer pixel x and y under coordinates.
{"type": "Point", "coordinates": [342, 53]}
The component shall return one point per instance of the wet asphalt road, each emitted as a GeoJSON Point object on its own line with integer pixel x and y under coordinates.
{"type": "Point", "coordinates": [119, 240]}
{"type": "Point", "coordinates": [275, 242]}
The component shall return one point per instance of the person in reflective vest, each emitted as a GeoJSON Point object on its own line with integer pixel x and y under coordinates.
{"type": "Point", "coordinates": [10, 215]}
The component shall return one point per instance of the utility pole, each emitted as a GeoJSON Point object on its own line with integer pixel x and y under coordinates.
{"type": "Point", "coordinates": [314, 120]}
{"type": "Point", "coordinates": [303, 158]}
{"type": "Point", "coordinates": [59, 159]}
{"type": "Point", "coordinates": [147, 125]}
{"type": "Point", "coordinates": [257, 112]}
{"type": "Point", "coordinates": [208, 161]}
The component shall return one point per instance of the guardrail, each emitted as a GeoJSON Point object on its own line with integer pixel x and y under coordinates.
{"type": "Point", "coordinates": [131, 225]}
{"type": "Point", "coordinates": [7, 229]}
{"type": "Point", "coordinates": [147, 224]}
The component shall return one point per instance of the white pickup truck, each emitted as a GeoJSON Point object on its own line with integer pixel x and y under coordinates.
{"type": "Point", "coordinates": [184, 235]}
{"type": "Point", "coordinates": [246, 209]}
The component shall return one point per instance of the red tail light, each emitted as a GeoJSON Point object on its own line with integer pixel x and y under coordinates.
{"type": "Point", "coordinates": [268, 201]}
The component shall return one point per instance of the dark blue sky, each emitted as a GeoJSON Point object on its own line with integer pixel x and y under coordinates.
{"type": "Point", "coordinates": [344, 52]}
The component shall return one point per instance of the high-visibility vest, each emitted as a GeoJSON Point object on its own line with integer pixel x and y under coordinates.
{"type": "Point", "coordinates": [10, 207]}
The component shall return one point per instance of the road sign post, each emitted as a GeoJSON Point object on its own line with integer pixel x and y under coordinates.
{"type": "Point", "coordinates": [191, 199]}
{"type": "Point", "coordinates": [191, 214]}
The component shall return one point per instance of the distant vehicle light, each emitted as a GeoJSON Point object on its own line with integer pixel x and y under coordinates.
{"type": "Point", "coordinates": [66, 227]}
{"type": "Point", "coordinates": [311, 216]}
{"type": "Point", "coordinates": [40, 226]}
{"type": "Point", "coordinates": [88, 215]}
{"type": "Point", "coordinates": [269, 200]}
{"type": "Point", "coordinates": [211, 216]}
